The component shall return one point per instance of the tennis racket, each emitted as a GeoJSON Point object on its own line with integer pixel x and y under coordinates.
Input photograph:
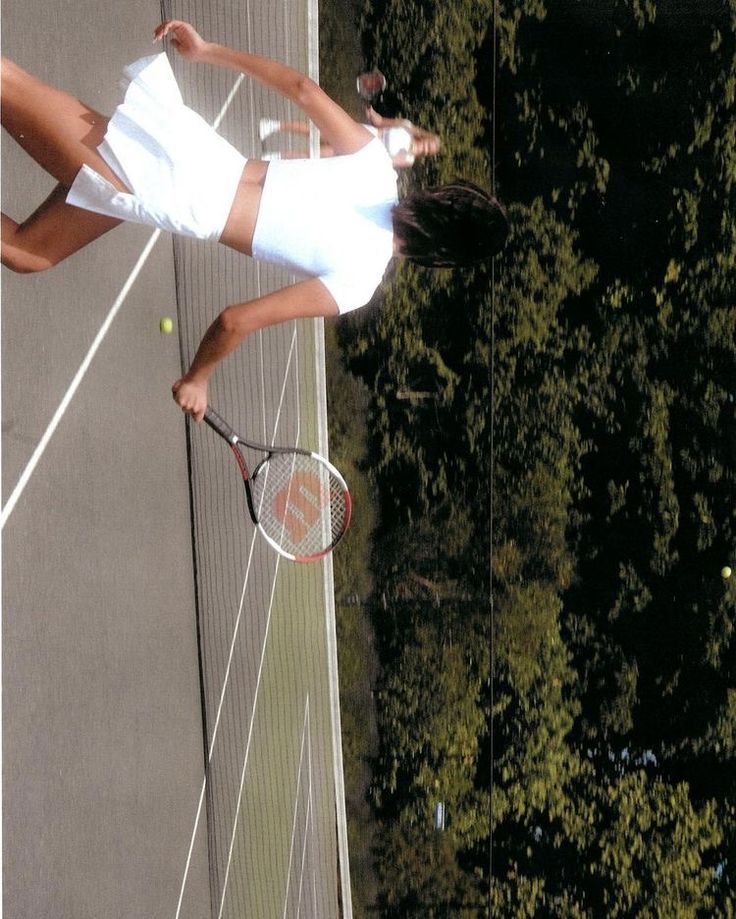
{"type": "Point", "coordinates": [296, 498]}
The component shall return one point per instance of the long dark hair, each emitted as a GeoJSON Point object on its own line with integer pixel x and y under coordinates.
{"type": "Point", "coordinates": [457, 224]}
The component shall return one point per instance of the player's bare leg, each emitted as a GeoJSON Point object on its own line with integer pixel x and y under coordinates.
{"type": "Point", "coordinates": [61, 134]}
{"type": "Point", "coordinates": [52, 233]}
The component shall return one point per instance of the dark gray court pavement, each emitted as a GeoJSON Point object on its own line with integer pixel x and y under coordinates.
{"type": "Point", "coordinates": [103, 750]}
{"type": "Point", "coordinates": [102, 742]}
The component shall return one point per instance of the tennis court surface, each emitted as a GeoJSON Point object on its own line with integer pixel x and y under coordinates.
{"type": "Point", "coordinates": [170, 720]}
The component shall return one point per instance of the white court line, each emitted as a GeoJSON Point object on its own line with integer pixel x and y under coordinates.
{"type": "Point", "coordinates": [84, 366]}
{"type": "Point", "coordinates": [308, 821]}
{"type": "Point", "coordinates": [250, 735]}
{"type": "Point", "coordinates": [214, 733]}
{"type": "Point", "coordinates": [228, 102]}
{"type": "Point", "coordinates": [305, 729]}
{"type": "Point", "coordinates": [308, 827]}
{"type": "Point", "coordinates": [74, 385]}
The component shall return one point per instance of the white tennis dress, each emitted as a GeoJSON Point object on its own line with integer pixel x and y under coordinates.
{"type": "Point", "coordinates": [329, 219]}
{"type": "Point", "coordinates": [182, 175]}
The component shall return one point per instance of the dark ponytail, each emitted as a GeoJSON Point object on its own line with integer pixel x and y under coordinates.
{"type": "Point", "coordinates": [451, 225]}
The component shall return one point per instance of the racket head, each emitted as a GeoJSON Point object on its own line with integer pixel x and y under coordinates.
{"type": "Point", "coordinates": [300, 503]}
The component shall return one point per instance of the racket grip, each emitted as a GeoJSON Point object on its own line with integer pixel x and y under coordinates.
{"type": "Point", "coordinates": [220, 425]}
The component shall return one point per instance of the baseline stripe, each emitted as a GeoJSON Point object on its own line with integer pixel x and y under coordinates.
{"type": "Point", "coordinates": [74, 385]}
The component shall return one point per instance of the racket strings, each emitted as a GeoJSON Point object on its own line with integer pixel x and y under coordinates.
{"type": "Point", "coordinates": [301, 503]}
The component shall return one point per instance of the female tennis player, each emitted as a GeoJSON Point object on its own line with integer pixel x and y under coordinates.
{"type": "Point", "coordinates": [404, 141]}
{"type": "Point", "coordinates": [337, 221]}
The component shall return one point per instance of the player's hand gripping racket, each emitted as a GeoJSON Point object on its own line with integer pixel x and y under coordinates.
{"type": "Point", "coordinates": [298, 500]}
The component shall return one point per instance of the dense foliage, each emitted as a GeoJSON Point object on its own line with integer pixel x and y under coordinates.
{"type": "Point", "coordinates": [581, 730]}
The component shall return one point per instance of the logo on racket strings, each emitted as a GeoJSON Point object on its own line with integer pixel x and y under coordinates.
{"type": "Point", "coordinates": [299, 506]}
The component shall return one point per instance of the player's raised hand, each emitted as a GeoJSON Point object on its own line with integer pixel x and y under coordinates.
{"type": "Point", "coordinates": [184, 38]}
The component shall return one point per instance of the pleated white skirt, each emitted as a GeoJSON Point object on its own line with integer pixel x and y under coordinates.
{"type": "Point", "coordinates": [181, 174]}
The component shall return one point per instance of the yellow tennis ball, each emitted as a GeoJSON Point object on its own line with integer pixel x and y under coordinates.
{"type": "Point", "coordinates": [725, 572]}
{"type": "Point", "coordinates": [166, 325]}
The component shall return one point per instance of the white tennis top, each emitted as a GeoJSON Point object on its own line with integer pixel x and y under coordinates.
{"type": "Point", "coordinates": [396, 139]}
{"type": "Point", "coordinates": [331, 219]}
{"type": "Point", "coordinates": [327, 218]}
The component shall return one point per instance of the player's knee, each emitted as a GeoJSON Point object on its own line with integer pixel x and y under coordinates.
{"type": "Point", "coordinates": [10, 73]}
{"type": "Point", "coordinates": [14, 86]}
{"type": "Point", "coordinates": [24, 262]}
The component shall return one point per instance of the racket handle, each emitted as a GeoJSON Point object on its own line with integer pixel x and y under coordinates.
{"type": "Point", "coordinates": [220, 425]}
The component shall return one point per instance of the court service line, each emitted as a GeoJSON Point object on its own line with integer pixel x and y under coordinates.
{"type": "Point", "coordinates": [311, 825]}
{"type": "Point", "coordinates": [228, 102]}
{"type": "Point", "coordinates": [282, 395]}
{"type": "Point", "coordinates": [85, 365]}
{"type": "Point", "coordinates": [308, 820]}
{"type": "Point", "coordinates": [305, 728]}
{"type": "Point", "coordinates": [74, 385]}
{"type": "Point", "coordinates": [226, 679]}
{"type": "Point", "coordinates": [308, 826]}
{"type": "Point", "coordinates": [250, 737]}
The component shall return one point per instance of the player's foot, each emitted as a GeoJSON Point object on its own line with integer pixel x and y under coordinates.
{"type": "Point", "coordinates": [267, 127]}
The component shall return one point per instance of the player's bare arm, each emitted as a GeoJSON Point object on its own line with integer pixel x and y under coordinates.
{"type": "Point", "coordinates": [307, 299]}
{"type": "Point", "coordinates": [337, 128]}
